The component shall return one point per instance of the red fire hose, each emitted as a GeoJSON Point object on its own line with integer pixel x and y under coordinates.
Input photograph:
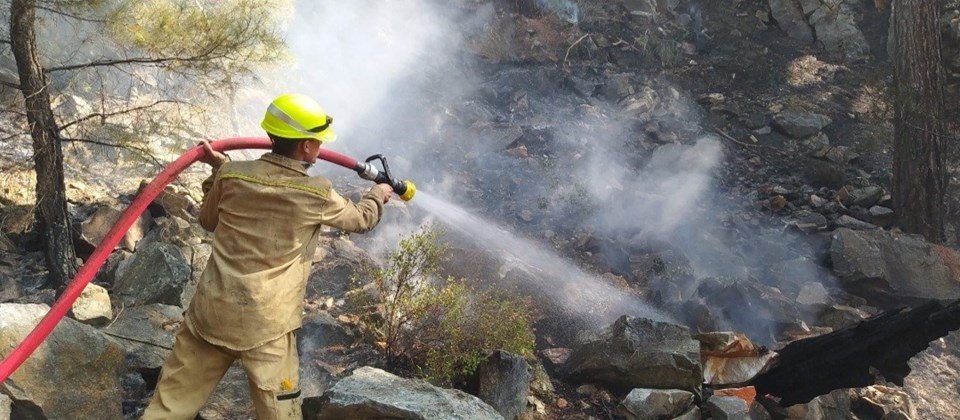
{"type": "Point", "coordinates": [129, 216]}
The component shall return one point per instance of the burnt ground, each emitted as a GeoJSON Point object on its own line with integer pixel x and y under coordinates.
{"type": "Point", "coordinates": [546, 85]}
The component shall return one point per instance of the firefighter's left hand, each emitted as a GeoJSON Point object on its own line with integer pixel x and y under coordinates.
{"type": "Point", "coordinates": [212, 157]}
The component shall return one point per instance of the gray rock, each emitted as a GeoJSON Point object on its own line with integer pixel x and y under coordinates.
{"type": "Point", "coordinates": [770, 312]}
{"type": "Point", "coordinates": [6, 245]}
{"type": "Point", "coordinates": [692, 414]}
{"type": "Point", "coordinates": [617, 87]}
{"type": "Point", "coordinates": [835, 25]}
{"type": "Point", "coordinates": [174, 202]}
{"type": "Point", "coordinates": [882, 216]}
{"type": "Point", "coordinates": [146, 333]}
{"type": "Point", "coordinates": [336, 263]}
{"type": "Point", "coordinates": [321, 330]}
{"type": "Point", "coordinates": [316, 378]}
{"type": "Point", "coordinates": [22, 406]}
{"type": "Point", "coordinates": [849, 222]}
{"type": "Point", "coordinates": [74, 374]}
{"type": "Point", "coordinates": [581, 86]}
{"type": "Point", "coordinates": [373, 393]}
{"type": "Point", "coordinates": [108, 272]}
{"type": "Point", "coordinates": [833, 406]}
{"type": "Point", "coordinates": [727, 408]}
{"type": "Point", "coordinates": [504, 380]}
{"type": "Point", "coordinates": [799, 124]}
{"type": "Point", "coordinates": [840, 316]}
{"type": "Point", "coordinates": [890, 268]}
{"type": "Point", "coordinates": [96, 226]}
{"type": "Point", "coordinates": [809, 221]}
{"type": "Point", "coordinates": [93, 306]}
{"type": "Point", "coordinates": [819, 173]}
{"type": "Point", "coordinates": [9, 287]}
{"type": "Point", "coordinates": [157, 273]}
{"type": "Point", "coordinates": [865, 197]}
{"type": "Point", "coordinates": [653, 404]}
{"type": "Point", "coordinates": [642, 7]}
{"type": "Point", "coordinates": [639, 353]}
{"type": "Point", "coordinates": [758, 412]}
{"type": "Point", "coordinates": [813, 294]}
{"type": "Point", "coordinates": [5, 403]}
{"type": "Point", "coordinates": [791, 19]}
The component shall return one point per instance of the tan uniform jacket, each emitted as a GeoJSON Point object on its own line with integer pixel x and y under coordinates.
{"type": "Point", "coordinates": [265, 216]}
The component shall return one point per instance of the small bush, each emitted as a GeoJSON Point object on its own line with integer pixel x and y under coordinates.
{"type": "Point", "coordinates": [468, 324]}
{"type": "Point", "coordinates": [398, 288]}
{"type": "Point", "coordinates": [442, 330]}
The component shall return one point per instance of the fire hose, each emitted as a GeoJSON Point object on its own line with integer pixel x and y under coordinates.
{"type": "Point", "coordinates": [366, 170]}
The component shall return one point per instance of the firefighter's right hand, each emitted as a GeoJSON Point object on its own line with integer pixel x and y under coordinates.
{"type": "Point", "coordinates": [387, 191]}
{"type": "Point", "coordinates": [212, 157]}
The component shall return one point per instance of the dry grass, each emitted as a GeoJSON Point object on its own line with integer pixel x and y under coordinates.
{"type": "Point", "coordinates": [514, 38]}
{"type": "Point", "coordinates": [950, 257]}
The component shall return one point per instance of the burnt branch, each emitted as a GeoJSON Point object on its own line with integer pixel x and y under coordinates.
{"type": "Point", "coordinates": [127, 61]}
{"type": "Point", "coordinates": [846, 358]}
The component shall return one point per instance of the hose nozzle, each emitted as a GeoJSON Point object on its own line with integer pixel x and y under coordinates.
{"type": "Point", "coordinates": [367, 170]}
{"type": "Point", "coordinates": [408, 190]}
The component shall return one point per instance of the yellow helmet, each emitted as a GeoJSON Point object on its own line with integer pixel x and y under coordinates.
{"type": "Point", "coordinates": [295, 116]}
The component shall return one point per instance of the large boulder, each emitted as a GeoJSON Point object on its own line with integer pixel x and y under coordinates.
{"type": "Point", "coordinates": [146, 333]}
{"type": "Point", "coordinates": [192, 240]}
{"type": "Point", "coordinates": [504, 379]}
{"type": "Point", "coordinates": [173, 201]}
{"type": "Point", "coordinates": [639, 353]}
{"type": "Point", "coordinates": [764, 313]}
{"type": "Point", "coordinates": [321, 330]}
{"type": "Point", "coordinates": [891, 268]}
{"type": "Point", "coordinates": [799, 124]}
{"type": "Point", "coordinates": [791, 19]}
{"type": "Point", "coordinates": [95, 227]}
{"type": "Point", "coordinates": [727, 408]}
{"type": "Point", "coordinates": [373, 393]}
{"type": "Point", "coordinates": [655, 404]}
{"type": "Point", "coordinates": [74, 374]}
{"type": "Point", "coordinates": [835, 24]}
{"type": "Point", "coordinates": [831, 24]}
{"type": "Point", "coordinates": [335, 265]}
{"type": "Point", "coordinates": [156, 273]}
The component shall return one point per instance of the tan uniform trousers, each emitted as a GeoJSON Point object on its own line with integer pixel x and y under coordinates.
{"type": "Point", "coordinates": [195, 367]}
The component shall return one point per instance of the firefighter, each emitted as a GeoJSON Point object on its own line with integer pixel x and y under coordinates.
{"type": "Point", "coordinates": [265, 216]}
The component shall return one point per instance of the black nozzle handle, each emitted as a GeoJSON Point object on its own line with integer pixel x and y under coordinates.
{"type": "Point", "coordinates": [369, 171]}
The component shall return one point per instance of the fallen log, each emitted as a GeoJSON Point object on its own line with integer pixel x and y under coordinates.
{"type": "Point", "coordinates": [851, 357]}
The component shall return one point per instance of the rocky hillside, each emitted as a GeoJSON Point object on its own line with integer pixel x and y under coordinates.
{"type": "Point", "coordinates": [683, 187]}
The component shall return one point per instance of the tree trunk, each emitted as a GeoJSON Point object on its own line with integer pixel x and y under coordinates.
{"type": "Point", "coordinates": [919, 174]}
{"type": "Point", "coordinates": [51, 210]}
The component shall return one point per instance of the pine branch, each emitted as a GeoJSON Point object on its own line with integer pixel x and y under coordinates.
{"type": "Point", "coordinates": [105, 115]}
{"type": "Point", "coordinates": [141, 151]}
{"type": "Point", "coordinates": [72, 16]}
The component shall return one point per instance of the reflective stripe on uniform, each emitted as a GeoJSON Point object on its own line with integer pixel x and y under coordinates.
{"type": "Point", "coordinates": [274, 183]}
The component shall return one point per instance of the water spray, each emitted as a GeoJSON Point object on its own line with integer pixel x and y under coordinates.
{"type": "Point", "coordinates": [405, 189]}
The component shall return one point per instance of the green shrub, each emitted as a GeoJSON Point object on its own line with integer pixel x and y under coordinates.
{"type": "Point", "coordinates": [399, 287]}
{"type": "Point", "coordinates": [470, 322]}
{"type": "Point", "coordinates": [442, 330]}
